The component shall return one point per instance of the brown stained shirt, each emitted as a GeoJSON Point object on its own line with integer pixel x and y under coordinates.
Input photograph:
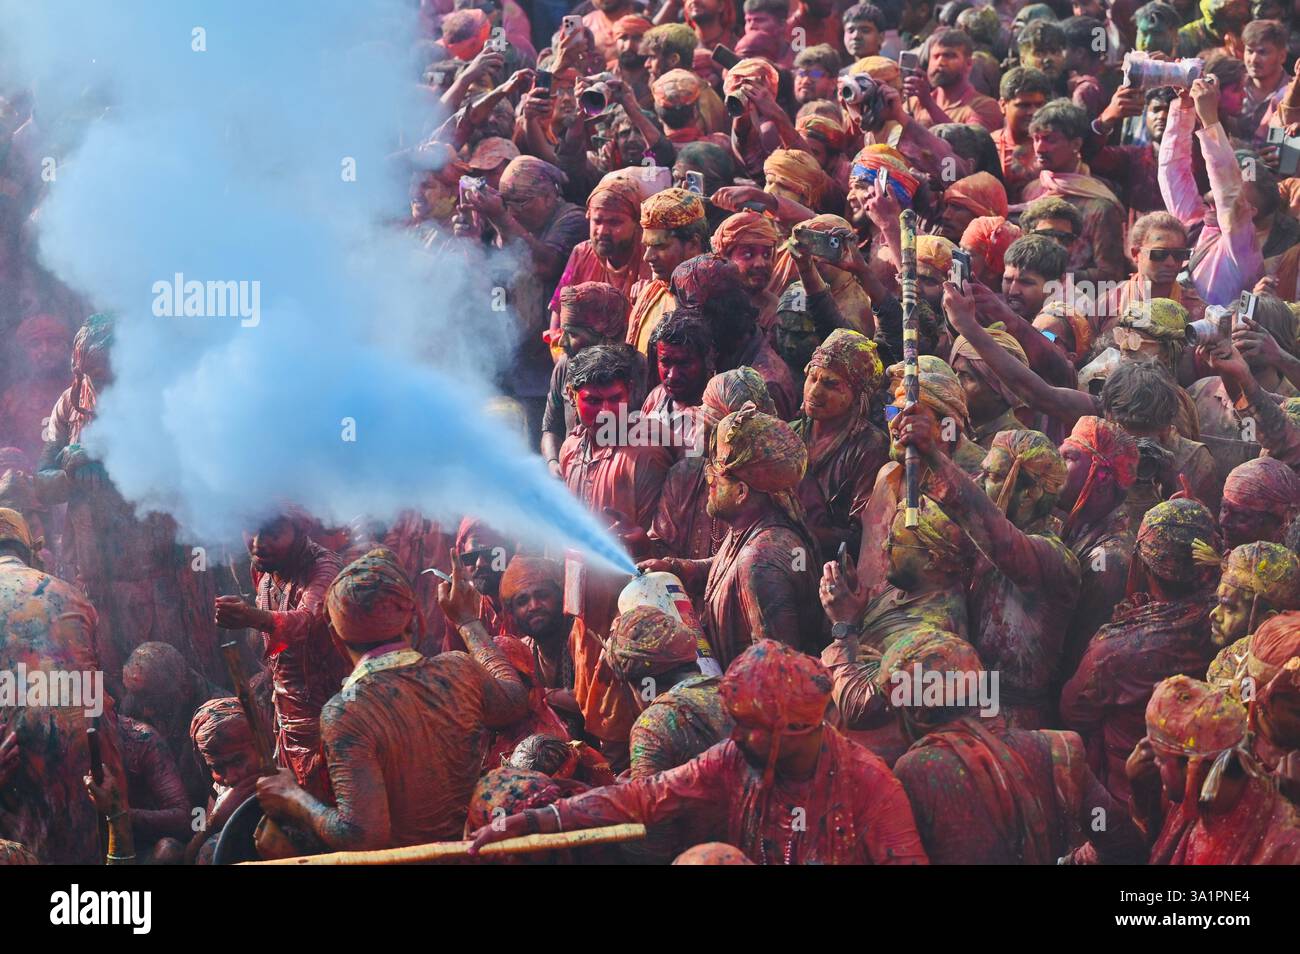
{"type": "Point", "coordinates": [762, 585]}
{"type": "Point", "coordinates": [838, 484]}
{"type": "Point", "coordinates": [682, 526]}
{"type": "Point", "coordinates": [1104, 552]}
{"type": "Point", "coordinates": [855, 810]}
{"type": "Point", "coordinates": [405, 746]}
{"type": "Point", "coordinates": [1023, 591]}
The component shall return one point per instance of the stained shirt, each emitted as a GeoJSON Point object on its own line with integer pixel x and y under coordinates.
{"type": "Point", "coordinates": [854, 810]}
{"type": "Point", "coordinates": [1105, 700]}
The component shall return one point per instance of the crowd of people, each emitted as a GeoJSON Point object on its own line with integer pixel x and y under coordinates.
{"type": "Point", "coordinates": [1047, 611]}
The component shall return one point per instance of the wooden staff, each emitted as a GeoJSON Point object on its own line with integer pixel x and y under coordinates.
{"type": "Point", "coordinates": [444, 850]}
{"type": "Point", "coordinates": [911, 379]}
{"type": "Point", "coordinates": [261, 734]}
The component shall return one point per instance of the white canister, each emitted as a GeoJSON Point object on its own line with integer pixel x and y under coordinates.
{"type": "Point", "coordinates": [664, 591]}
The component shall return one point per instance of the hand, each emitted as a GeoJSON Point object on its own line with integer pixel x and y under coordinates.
{"type": "Point", "coordinates": [960, 307]}
{"type": "Point", "coordinates": [916, 426]}
{"type": "Point", "coordinates": [486, 200]}
{"type": "Point", "coordinates": [1205, 97]}
{"type": "Point", "coordinates": [109, 798]}
{"type": "Point", "coordinates": [520, 81]}
{"type": "Point", "coordinates": [1267, 285]}
{"type": "Point", "coordinates": [459, 600]}
{"type": "Point", "coordinates": [851, 259]}
{"type": "Point", "coordinates": [658, 566]}
{"type": "Point", "coordinates": [1226, 361]}
{"type": "Point", "coordinates": [1254, 341]}
{"type": "Point", "coordinates": [1127, 101]}
{"type": "Point", "coordinates": [538, 105]}
{"type": "Point", "coordinates": [486, 62]}
{"type": "Point", "coordinates": [842, 598]}
{"type": "Point", "coordinates": [10, 756]}
{"type": "Point", "coordinates": [512, 826]}
{"type": "Point", "coordinates": [918, 85]}
{"type": "Point", "coordinates": [881, 206]}
{"type": "Point", "coordinates": [278, 793]}
{"type": "Point", "coordinates": [1271, 155]}
{"type": "Point", "coordinates": [731, 198]}
{"type": "Point", "coordinates": [1140, 766]}
{"type": "Point", "coordinates": [894, 107]}
{"type": "Point", "coordinates": [556, 470]}
{"type": "Point", "coordinates": [758, 97]}
{"type": "Point", "coordinates": [231, 612]}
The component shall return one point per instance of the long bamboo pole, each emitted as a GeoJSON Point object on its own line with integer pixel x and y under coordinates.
{"type": "Point", "coordinates": [443, 850]}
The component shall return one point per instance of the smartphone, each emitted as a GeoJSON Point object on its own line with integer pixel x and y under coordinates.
{"type": "Point", "coordinates": [960, 270]}
{"type": "Point", "coordinates": [542, 80]}
{"type": "Point", "coordinates": [823, 245]}
{"type": "Point", "coordinates": [909, 62]}
{"type": "Point", "coordinates": [695, 183]}
{"type": "Point", "coordinates": [725, 56]}
{"type": "Point", "coordinates": [1049, 335]}
{"type": "Point", "coordinates": [842, 557]}
{"type": "Point", "coordinates": [470, 184]}
{"type": "Point", "coordinates": [571, 25]}
{"type": "Point", "coordinates": [882, 180]}
{"type": "Point", "coordinates": [1246, 308]}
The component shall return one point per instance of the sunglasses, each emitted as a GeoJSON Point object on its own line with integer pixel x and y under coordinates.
{"type": "Point", "coordinates": [471, 557]}
{"type": "Point", "coordinates": [1160, 254]}
{"type": "Point", "coordinates": [811, 73]}
{"type": "Point", "coordinates": [1057, 234]}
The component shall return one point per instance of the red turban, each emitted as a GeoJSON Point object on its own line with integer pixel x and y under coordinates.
{"type": "Point", "coordinates": [632, 25]}
{"type": "Point", "coordinates": [525, 572]}
{"type": "Point", "coordinates": [1264, 483]}
{"type": "Point", "coordinates": [617, 194]}
{"type": "Point", "coordinates": [775, 686]}
{"type": "Point", "coordinates": [979, 193]}
{"type": "Point", "coordinates": [370, 600]}
{"type": "Point", "coordinates": [597, 306]}
{"type": "Point", "coordinates": [219, 729]}
{"type": "Point", "coordinates": [1276, 641]}
{"type": "Point", "coordinates": [698, 280]}
{"type": "Point", "coordinates": [464, 33]}
{"type": "Point", "coordinates": [508, 791]}
{"type": "Point", "coordinates": [474, 527]}
{"type": "Point", "coordinates": [991, 236]}
{"type": "Point", "coordinates": [712, 853]}
{"type": "Point", "coordinates": [932, 650]}
{"type": "Point", "coordinates": [1113, 454]}
{"type": "Point", "coordinates": [1186, 717]}
{"type": "Point", "coordinates": [646, 641]}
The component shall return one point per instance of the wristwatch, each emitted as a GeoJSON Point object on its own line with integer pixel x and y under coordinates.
{"type": "Point", "coordinates": [845, 630]}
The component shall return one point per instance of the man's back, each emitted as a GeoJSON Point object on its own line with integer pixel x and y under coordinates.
{"type": "Point", "coordinates": [420, 728]}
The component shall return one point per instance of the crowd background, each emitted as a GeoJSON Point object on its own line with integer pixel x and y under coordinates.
{"type": "Point", "coordinates": [701, 202]}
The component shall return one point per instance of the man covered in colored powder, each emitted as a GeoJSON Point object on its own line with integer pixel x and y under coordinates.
{"type": "Point", "coordinates": [785, 789]}
{"type": "Point", "coordinates": [1223, 809]}
{"type": "Point", "coordinates": [761, 583]}
{"type": "Point", "coordinates": [1161, 629]}
{"type": "Point", "coordinates": [1026, 582]}
{"type": "Point", "coordinates": [47, 626]}
{"type": "Point", "coordinates": [983, 793]}
{"type": "Point", "coordinates": [292, 573]}
{"type": "Point", "coordinates": [1260, 581]}
{"type": "Point", "coordinates": [405, 737]}
{"type": "Point", "coordinates": [683, 525]}
{"type": "Point", "coordinates": [845, 449]}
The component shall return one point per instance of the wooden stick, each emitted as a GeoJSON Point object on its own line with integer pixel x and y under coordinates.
{"type": "Point", "coordinates": [911, 377]}
{"type": "Point", "coordinates": [442, 850]}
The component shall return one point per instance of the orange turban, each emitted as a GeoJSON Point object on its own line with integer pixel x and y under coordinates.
{"type": "Point", "coordinates": [632, 25]}
{"type": "Point", "coordinates": [991, 236]}
{"type": "Point", "coordinates": [754, 68]}
{"type": "Point", "coordinates": [677, 88]}
{"type": "Point", "coordinates": [797, 171]}
{"type": "Point", "coordinates": [464, 33]}
{"type": "Point", "coordinates": [646, 641]}
{"type": "Point", "coordinates": [744, 228]}
{"type": "Point", "coordinates": [13, 526]}
{"type": "Point", "coordinates": [824, 129]}
{"type": "Point", "coordinates": [371, 599]}
{"type": "Point", "coordinates": [671, 209]}
{"type": "Point", "coordinates": [525, 572]}
{"type": "Point", "coordinates": [617, 194]}
{"type": "Point", "coordinates": [1080, 327]}
{"type": "Point", "coordinates": [980, 193]}
{"type": "Point", "coordinates": [881, 69]}
{"type": "Point", "coordinates": [934, 251]}
{"type": "Point", "coordinates": [871, 159]}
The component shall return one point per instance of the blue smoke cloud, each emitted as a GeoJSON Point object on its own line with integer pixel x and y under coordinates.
{"type": "Point", "coordinates": [224, 156]}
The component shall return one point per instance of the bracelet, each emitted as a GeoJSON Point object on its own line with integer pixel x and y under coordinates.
{"type": "Point", "coordinates": [119, 859]}
{"type": "Point", "coordinates": [559, 825]}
